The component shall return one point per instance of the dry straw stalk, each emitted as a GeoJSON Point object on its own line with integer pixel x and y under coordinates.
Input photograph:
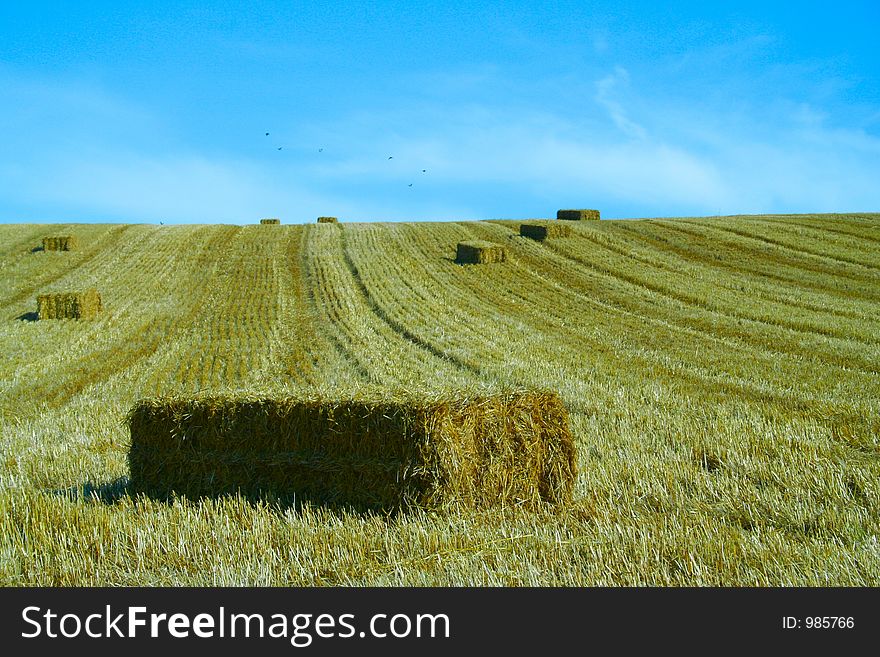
{"type": "Point", "coordinates": [327, 220]}
{"type": "Point", "coordinates": [544, 230]}
{"type": "Point", "coordinates": [473, 451]}
{"type": "Point", "coordinates": [270, 221]}
{"type": "Point", "coordinates": [69, 305]}
{"type": "Point", "coordinates": [480, 252]}
{"type": "Point", "coordinates": [60, 243]}
{"type": "Point", "coordinates": [577, 215]}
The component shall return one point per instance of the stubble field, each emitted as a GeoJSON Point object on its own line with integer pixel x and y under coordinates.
{"type": "Point", "coordinates": [722, 377]}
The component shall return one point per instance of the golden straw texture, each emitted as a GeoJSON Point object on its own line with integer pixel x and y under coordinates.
{"type": "Point", "coordinates": [479, 252]}
{"type": "Point", "coordinates": [511, 448]}
{"type": "Point", "coordinates": [69, 305]}
{"type": "Point", "coordinates": [577, 214]}
{"type": "Point", "coordinates": [545, 230]}
{"type": "Point", "coordinates": [60, 243]}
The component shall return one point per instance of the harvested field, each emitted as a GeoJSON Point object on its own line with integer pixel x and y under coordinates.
{"type": "Point", "coordinates": [69, 305]}
{"type": "Point", "coordinates": [545, 230]}
{"type": "Point", "coordinates": [721, 377]}
{"type": "Point", "coordinates": [512, 449]}
{"type": "Point", "coordinates": [61, 243]}
{"type": "Point", "coordinates": [478, 252]}
{"type": "Point", "coordinates": [578, 215]}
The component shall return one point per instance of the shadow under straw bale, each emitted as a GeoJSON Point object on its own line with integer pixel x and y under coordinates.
{"type": "Point", "coordinates": [111, 492]}
{"type": "Point", "coordinates": [107, 493]}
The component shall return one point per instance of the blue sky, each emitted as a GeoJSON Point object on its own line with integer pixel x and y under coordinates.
{"type": "Point", "coordinates": [148, 111]}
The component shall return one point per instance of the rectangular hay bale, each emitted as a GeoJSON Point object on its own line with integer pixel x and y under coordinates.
{"type": "Point", "coordinates": [60, 243]}
{"type": "Point", "coordinates": [544, 230]}
{"type": "Point", "coordinates": [69, 305]}
{"type": "Point", "coordinates": [327, 220]}
{"type": "Point", "coordinates": [270, 221]}
{"type": "Point", "coordinates": [479, 252]}
{"type": "Point", "coordinates": [577, 215]}
{"type": "Point", "coordinates": [475, 451]}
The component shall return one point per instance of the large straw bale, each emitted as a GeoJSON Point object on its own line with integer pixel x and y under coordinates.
{"type": "Point", "coordinates": [271, 221]}
{"type": "Point", "coordinates": [327, 220]}
{"type": "Point", "coordinates": [544, 230]}
{"type": "Point", "coordinates": [69, 305]}
{"type": "Point", "coordinates": [60, 243]}
{"type": "Point", "coordinates": [480, 252]}
{"type": "Point", "coordinates": [577, 215]}
{"type": "Point", "coordinates": [473, 451]}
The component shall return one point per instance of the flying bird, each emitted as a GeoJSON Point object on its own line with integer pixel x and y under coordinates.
{"type": "Point", "coordinates": [423, 170]}
{"type": "Point", "coordinates": [410, 184]}
{"type": "Point", "coordinates": [390, 157]}
{"type": "Point", "coordinates": [279, 148]}
{"type": "Point", "coordinates": [320, 150]}
{"type": "Point", "coordinates": [267, 134]}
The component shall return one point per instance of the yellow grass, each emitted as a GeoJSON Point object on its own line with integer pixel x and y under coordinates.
{"type": "Point", "coordinates": [721, 378]}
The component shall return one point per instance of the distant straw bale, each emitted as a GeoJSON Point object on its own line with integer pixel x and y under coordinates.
{"type": "Point", "coordinates": [69, 305]}
{"type": "Point", "coordinates": [327, 220]}
{"type": "Point", "coordinates": [60, 243]}
{"type": "Point", "coordinates": [513, 448]}
{"type": "Point", "coordinates": [545, 230]}
{"type": "Point", "coordinates": [271, 221]}
{"type": "Point", "coordinates": [479, 252]}
{"type": "Point", "coordinates": [577, 215]}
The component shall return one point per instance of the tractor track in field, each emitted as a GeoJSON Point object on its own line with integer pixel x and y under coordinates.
{"type": "Point", "coordinates": [685, 301]}
{"type": "Point", "coordinates": [312, 281]}
{"type": "Point", "coordinates": [789, 247]}
{"type": "Point", "coordinates": [702, 266]}
{"type": "Point", "coordinates": [322, 299]}
{"type": "Point", "coordinates": [700, 244]}
{"type": "Point", "coordinates": [835, 238]}
{"type": "Point", "coordinates": [696, 379]}
{"type": "Point", "coordinates": [765, 282]}
{"type": "Point", "coordinates": [111, 237]}
{"type": "Point", "coordinates": [124, 353]}
{"type": "Point", "coordinates": [396, 326]}
{"type": "Point", "coordinates": [790, 261]}
{"type": "Point", "coordinates": [837, 231]}
{"type": "Point", "coordinates": [709, 307]}
{"type": "Point", "coordinates": [859, 364]}
{"type": "Point", "coordinates": [705, 306]}
{"type": "Point", "coordinates": [736, 342]}
{"type": "Point", "coordinates": [25, 245]}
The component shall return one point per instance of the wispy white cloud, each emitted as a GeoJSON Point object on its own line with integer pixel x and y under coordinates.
{"type": "Point", "coordinates": [83, 153]}
{"type": "Point", "coordinates": [170, 188]}
{"type": "Point", "coordinates": [606, 89]}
